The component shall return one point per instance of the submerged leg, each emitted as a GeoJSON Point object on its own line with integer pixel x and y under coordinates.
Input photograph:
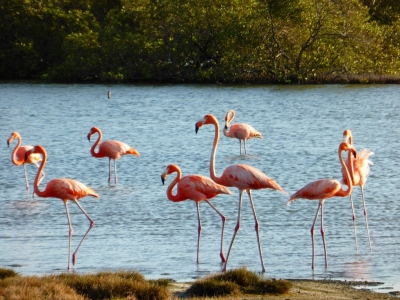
{"type": "Point", "coordinates": [240, 143]}
{"type": "Point", "coordinates": [115, 172]}
{"type": "Point", "coordinates": [236, 229]}
{"type": "Point", "coordinates": [312, 235]}
{"type": "Point", "coordinates": [365, 216]}
{"type": "Point", "coordinates": [221, 253]}
{"type": "Point", "coordinates": [90, 227]}
{"type": "Point", "coordinates": [257, 229]}
{"type": "Point", "coordinates": [198, 232]}
{"type": "Point", "coordinates": [26, 177]}
{"type": "Point", "coordinates": [244, 143]}
{"type": "Point", "coordinates": [323, 234]}
{"type": "Point", "coordinates": [354, 221]}
{"type": "Point", "coordinates": [109, 170]}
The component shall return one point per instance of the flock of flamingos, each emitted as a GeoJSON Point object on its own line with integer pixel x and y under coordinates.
{"type": "Point", "coordinates": [200, 188]}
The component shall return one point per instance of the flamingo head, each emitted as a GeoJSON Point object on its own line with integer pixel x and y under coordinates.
{"type": "Point", "coordinates": [229, 118]}
{"type": "Point", "coordinates": [344, 146]}
{"type": "Point", "coordinates": [208, 119]}
{"type": "Point", "coordinates": [170, 169]}
{"type": "Point", "coordinates": [92, 131]}
{"type": "Point", "coordinates": [347, 136]}
{"type": "Point", "coordinates": [14, 135]}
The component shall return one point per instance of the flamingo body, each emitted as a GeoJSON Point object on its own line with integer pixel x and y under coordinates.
{"type": "Point", "coordinates": [64, 189]}
{"type": "Point", "coordinates": [361, 170]}
{"type": "Point", "coordinates": [323, 189]}
{"type": "Point", "coordinates": [112, 149]}
{"type": "Point", "coordinates": [18, 156]}
{"type": "Point", "coordinates": [197, 188]}
{"type": "Point", "coordinates": [242, 132]}
{"type": "Point", "coordinates": [243, 177]}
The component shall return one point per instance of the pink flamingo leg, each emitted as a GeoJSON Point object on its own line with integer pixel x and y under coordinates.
{"type": "Point", "coordinates": [221, 253]}
{"type": "Point", "coordinates": [70, 232]}
{"type": "Point", "coordinates": [257, 230]}
{"type": "Point", "coordinates": [354, 222]}
{"type": "Point", "coordinates": [109, 170]}
{"type": "Point", "coordinates": [115, 172]}
{"type": "Point", "coordinates": [26, 177]}
{"type": "Point", "coordinates": [245, 150]}
{"type": "Point", "coordinates": [236, 229]}
{"type": "Point", "coordinates": [366, 219]}
{"type": "Point", "coordinates": [323, 234]}
{"type": "Point", "coordinates": [312, 235]}
{"type": "Point", "coordinates": [198, 232]}
{"type": "Point", "coordinates": [90, 227]}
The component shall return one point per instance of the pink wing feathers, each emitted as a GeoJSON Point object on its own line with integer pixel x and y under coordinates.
{"type": "Point", "coordinates": [68, 189]}
{"type": "Point", "coordinates": [320, 189]}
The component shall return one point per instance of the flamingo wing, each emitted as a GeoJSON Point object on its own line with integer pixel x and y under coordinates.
{"type": "Point", "coordinates": [68, 189]}
{"type": "Point", "coordinates": [114, 149]}
{"type": "Point", "coordinates": [360, 166]}
{"type": "Point", "coordinates": [317, 190]}
{"type": "Point", "coordinates": [243, 131]}
{"type": "Point", "coordinates": [197, 188]}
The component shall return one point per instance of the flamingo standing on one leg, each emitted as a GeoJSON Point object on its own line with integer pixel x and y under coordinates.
{"type": "Point", "coordinates": [324, 189]}
{"type": "Point", "coordinates": [239, 131]}
{"type": "Point", "coordinates": [243, 177]}
{"type": "Point", "coordinates": [361, 171]}
{"type": "Point", "coordinates": [197, 188]}
{"type": "Point", "coordinates": [64, 189]}
{"type": "Point", "coordinates": [18, 156]}
{"type": "Point", "coordinates": [111, 149]}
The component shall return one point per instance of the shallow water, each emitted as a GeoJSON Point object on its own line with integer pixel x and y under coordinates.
{"type": "Point", "coordinates": [138, 228]}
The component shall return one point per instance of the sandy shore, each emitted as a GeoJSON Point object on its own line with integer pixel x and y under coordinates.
{"type": "Point", "coordinates": [306, 289]}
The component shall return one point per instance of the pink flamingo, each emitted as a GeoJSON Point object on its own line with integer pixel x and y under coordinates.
{"type": "Point", "coordinates": [64, 189]}
{"type": "Point", "coordinates": [361, 171]}
{"type": "Point", "coordinates": [243, 177]}
{"type": "Point", "coordinates": [111, 149]}
{"type": "Point", "coordinates": [18, 156]}
{"type": "Point", "coordinates": [324, 189]}
{"type": "Point", "coordinates": [196, 188]}
{"type": "Point", "coordinates": [239, 131]}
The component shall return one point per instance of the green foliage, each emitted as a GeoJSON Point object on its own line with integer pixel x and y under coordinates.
{"type": "Point", "coordinates": [281, 41]}
{"type": "Point", "coordinates": [235, 282]}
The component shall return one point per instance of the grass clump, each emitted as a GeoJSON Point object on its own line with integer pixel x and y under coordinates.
{"type": "Point", "coordinates": [103, 285]}
{"type": "Point", "coordinates": [238, 281]}
{"type": "Point", "coordinates": [5, 273]}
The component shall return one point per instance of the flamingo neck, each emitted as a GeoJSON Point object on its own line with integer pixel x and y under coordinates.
{"type": "Point", "coordinates": [14, 158]}
{"type": "Point", "coordinates": [213, 152]}
{"type": "Point", "coordinates": [349, 178]}
{"type": "Point", "coordinates": [170, 196]}
{"type": "Point", "coordinates": [92, 150]}
{"type": "Point", "coordinates": [37, 178]}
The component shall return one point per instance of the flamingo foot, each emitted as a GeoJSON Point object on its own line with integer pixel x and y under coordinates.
{"type": "Point", "coordinates": [222, 257]}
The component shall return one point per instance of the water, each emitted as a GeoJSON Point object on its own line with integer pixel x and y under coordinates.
{"type": "Point", "coordinates": [138, 228]}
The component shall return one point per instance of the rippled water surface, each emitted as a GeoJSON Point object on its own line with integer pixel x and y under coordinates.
{"type": "Point", "coordinates": [138, 228]}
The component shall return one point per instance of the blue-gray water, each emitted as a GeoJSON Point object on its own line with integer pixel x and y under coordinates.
{"type": "Point", "coordinates": [138, 228]}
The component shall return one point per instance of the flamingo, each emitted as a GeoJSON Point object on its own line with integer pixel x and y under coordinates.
{"type": "Point", "coordinates": [239, 131]}
{"type": "Point", "coordinates": [64, 189]}
{"type": "Point", "coordinates": [323, 189]}
{"type": "Point", "coordinates": [361, 171]}
{"type": "Point", "coordinates": [197, 188]}
{"type": "Point", "coordinates": [111, 149]}
{"type": "Point", "coordinates": [18, 156]}
{"type": "Point", "coordinates": [243, 177]}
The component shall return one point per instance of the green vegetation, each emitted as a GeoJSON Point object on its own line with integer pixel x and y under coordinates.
{"type": "Point", "coordinates": [103, 285]}
{"type": "Point", "coordinates": [225, 41]}
{"type": "Point", "coordinates": [236, 282]}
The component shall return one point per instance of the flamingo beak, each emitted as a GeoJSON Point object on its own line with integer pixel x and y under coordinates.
{"type": "Point", "coordinates": [162, 179]}
{"type": "Point", "coordinates": [88, 137]}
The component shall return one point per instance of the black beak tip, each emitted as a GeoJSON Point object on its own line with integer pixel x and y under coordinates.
{"type": "Point", "coordinates": [162, 180]}
{"type": "Point", "coordinates": [196, 129]}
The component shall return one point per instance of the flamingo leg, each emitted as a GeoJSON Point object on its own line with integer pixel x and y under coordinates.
{"type": "Point", "coordinates": [312, 235]}
{"type": "Point", "coordinates": [70, 232]}
{"type": "Point", "coordinates": [109, 170]}
{"type": "Point", "coordinates": [323, 234]}
{"type": "Point", "coordinates": [240, 143]}
{"type": "Point", "coordinates": [236, 229]}
{"type": "Point", "coordinates": [257, 229]}
{"type": "Point", "coordinates": [26, 177]}
{"type": "Point", "coordinates": [115, 172]}
{"type": "Point", "coordinates": [365, 216]}
{"type": "Point", "coordinates": [198, 232]}
{"type": "Point", "coordinates": [354, 221]}
{"type": "Point", "coordinates": [90, 227]}
{"type": "Point", "coordinates": [245, 150]}
{"type": "Point", "coordinates": [221, 253]}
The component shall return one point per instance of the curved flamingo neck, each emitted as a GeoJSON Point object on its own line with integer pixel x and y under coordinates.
{"type": "Point", "coordinates": [92, 150]}
{"type": "Point", "coordinates": [170, 196]}
{"type": "Point", "coordinates": [349, 178]}
{"type": "Point", "coordinates": [41, 151]}
{"type": "Point", "coordinates": [14, 158]}
{"type": "Point", "coordinates": [213, 152]}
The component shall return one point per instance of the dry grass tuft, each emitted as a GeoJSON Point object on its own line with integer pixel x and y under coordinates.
{"type": "Point", "coordinates": [236, 282]}
{"type": "Point", "coordinates": [103, 285]}
{"type": "Point", "coordinates": [5, 273]}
